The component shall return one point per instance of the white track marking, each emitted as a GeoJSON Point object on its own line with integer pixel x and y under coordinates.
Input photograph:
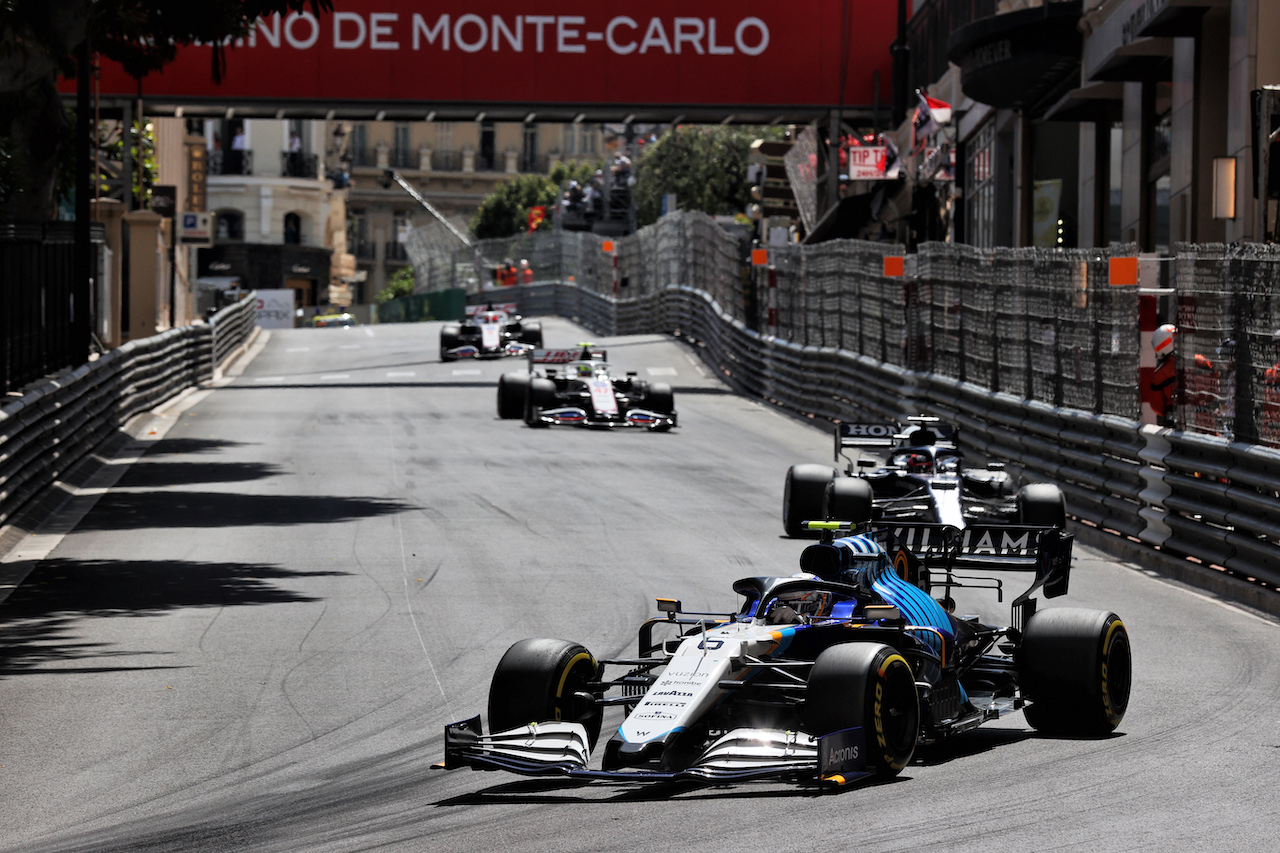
{"type": "Point", "coordinates": [404, 568]}
{"type": "Point", "coordinates": [401, 374]}
{"type": "Point", "coordinates": [298, 349]}
{"type": "Point", "coordinates": [466, 373]}
{"type": "Point", "coordinates": [268, 379]}
{"type": "Point", "coordinates": [329, 376]}
{"type": "Point", "coordinates": [661, 371]}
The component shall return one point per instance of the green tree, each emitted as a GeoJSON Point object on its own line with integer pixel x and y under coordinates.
{"type": "Point", "coordinates": [401, 284]}
{"type": "Point", "coordinates": [704, 165]}
{"type": "Point", "coordinates": [505, 211]}
{"type": "Point", "coordinates": [39, 39]}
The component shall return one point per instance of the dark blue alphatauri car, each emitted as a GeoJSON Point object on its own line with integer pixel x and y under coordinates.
{"type": "Point", "coordinates": [827, 676]}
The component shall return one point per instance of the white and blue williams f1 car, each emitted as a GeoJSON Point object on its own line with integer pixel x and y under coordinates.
{"type": "Point", "coordinates": [825, 677]}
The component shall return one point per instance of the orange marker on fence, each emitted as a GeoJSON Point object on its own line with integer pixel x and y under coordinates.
{"type": "Point", "coordinates": [894, 266]}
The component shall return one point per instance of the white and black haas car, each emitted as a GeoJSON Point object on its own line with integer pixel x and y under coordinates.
{"type": "Point", "coordinates": [824, 677]}
{"type": "Point", "coordinates": [923, 478]}
{"type": "Point", "coordinates": [578, 388]}
{"type": "Point", "coordinates": [489, 331]}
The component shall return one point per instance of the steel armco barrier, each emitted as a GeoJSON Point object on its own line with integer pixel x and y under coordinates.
{"type": "Point", "coordinates": [1189, 494]}
{"type": "Point", "coordinates": [55, 425]}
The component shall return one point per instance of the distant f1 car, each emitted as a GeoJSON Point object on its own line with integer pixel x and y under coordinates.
{"type": "Point", "coordinates": [489, 332]}
{"type": "Point", "coordinates": [577, 388]}
{"type": "Point", "coordinates": [827, 676]}
{"type": "Point", "coordinates": [924, 479]}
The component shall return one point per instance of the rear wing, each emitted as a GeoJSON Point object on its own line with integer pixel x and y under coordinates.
{"type": "Point", "coordinates": [865, 435]}
{"type": "Point", "coordinates": [916, 549]}
{"type": "Point", "coordinates": [508, 308]}
{"type": "Point", "coordinates": [564, 356]}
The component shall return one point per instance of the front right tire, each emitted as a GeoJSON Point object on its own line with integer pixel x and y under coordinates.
{"type": "Point", "coordinates": [536, 682]}
{"type": "Point", "coordinates": [868, 685]}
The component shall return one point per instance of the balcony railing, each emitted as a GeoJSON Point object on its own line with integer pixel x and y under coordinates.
{"type": "Point", "coordinates": [395, 251]}
{"type": "Point", "coordinates": [364, 250]}
{"type": "Point", "coordinates": [403, 158]}
{"type": "Point", "coordinates": [295, 164]}
{"type": "Point", "coordinates": [539, 164]}
{"type": "Point", "coordinates": [231, 162]}
{"type": "Point", "coordinates": [364, 156]}
{"type": "Point", "coordinates": [446, 161]}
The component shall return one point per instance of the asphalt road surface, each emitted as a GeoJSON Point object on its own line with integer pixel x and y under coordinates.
{"type": "Point", "coordinates": [255, 634]}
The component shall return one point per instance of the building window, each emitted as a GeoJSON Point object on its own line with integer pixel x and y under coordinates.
{"type": "Point", "coordinates": [588, 146]}
{"type": "Point", "coordinates": [485, 162]}
{"type": "Point", "coordinates": [292, 228]}
{"type": "Point", "coordinates": [570, 139]}
{"type": "Point", "coordinates": [230, 225]}
{"type": "Point", "coordinates": [444, 136]}
{"type": "Point", "coordinates": [529, 151]}
{"type": "Point", "coordinates": [980, 187]}
{"type": "Point", "coordinates": [361, 154]}
{"type": "Point", "coordinates": [402, 156]}
{"type": "Point", "coordinates": [358, 242]}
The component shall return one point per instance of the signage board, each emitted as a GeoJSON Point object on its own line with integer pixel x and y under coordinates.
{"type": "Point", "coordinates": [721, 53]}
{"type": "Point", "coordinates": [276, 308]}
{"type": "Point", "coordinates": [866, 162]}
{"type": "Point", "coordinates": [196, 229]}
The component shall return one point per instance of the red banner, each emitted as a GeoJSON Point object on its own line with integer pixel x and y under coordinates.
{"type": "Point", "coordinates": [661, 52]}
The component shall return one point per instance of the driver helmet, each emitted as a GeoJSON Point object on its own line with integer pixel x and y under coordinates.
{"type": "Point", "coordinates": [584, 370]}
{"type": "Point", "coordinates": [1162, 339]}
{"type": "Point", "coordinates": [918, 463]}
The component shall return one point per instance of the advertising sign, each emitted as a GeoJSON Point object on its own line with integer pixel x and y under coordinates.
{"type": "Point", "coordinates": [196, 229]}
{"type": "Point", "coordinates": [275, 308]}
{"type": "Point", "coordinates": [866, 162]}
{"type": "Point", "coordinates": [663, 52]}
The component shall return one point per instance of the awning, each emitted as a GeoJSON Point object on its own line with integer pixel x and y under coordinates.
{"type": "Point", "coordinates": [1097, 102]}
{"type": "Point", "coordinates": [1173, 18]}
{"type": "Point", "coordinates": [1148, 59]}
{"type": "Point", "coordinates": [1017, 59]}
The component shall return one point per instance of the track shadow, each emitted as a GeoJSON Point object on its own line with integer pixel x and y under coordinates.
{"type": "Point", "coordinates": [167, 446]}
{"type": "Point", "coordinates": [170, 509]}
{"type": "Point", "coordinates": [169, 473]}
{"type": "Point", "coordinates": [38, 620]}
{"type": "Point", "coordinates": [560, 791]}
{"type": "Point", "coordinates": [972, 743]}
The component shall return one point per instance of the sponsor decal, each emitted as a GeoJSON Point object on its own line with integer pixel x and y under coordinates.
{"type": "Point", "coordinates": [976, 540]}
{"type": "Point", "coordinates": [869, 430]}
{"type": "Point", "coordinates": [842, 752]}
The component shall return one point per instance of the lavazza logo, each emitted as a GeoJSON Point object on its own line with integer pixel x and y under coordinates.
{"type": "Point", "coordinates": [471, 33]}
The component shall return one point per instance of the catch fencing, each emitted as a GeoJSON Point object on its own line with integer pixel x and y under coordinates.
{"type": "Point", "coordinates": [1031, 352]}
{"type": "Point", "coordinates": [54, 425]}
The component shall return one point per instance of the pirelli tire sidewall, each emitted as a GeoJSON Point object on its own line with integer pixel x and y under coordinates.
{"type": "Point", "coordinates": [536, 681]}
{"type": "Point", "coordinates": [1075, 669]}
{"type": "Point", "coordinates": [869, 685]}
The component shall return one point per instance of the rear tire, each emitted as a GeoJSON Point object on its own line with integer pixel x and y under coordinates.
{"type": "Point", "coordinates": [848, 499]}
{"type": "Point", "coordinates": [868, 685]}
{"type": "Point", "coordinates": [531, 333]}
{"type": "Point", "coordinates": [535, 682]}
{"type": "Point", "coordinates": [1075, 668]}
{"type": "Point", "coordinates": [450, 337]}
{"type": "Point", "coordinates": [513, 388]}
{"type": "Point", "coordinates": [541, 395]}
{"type": "Point", "coordinates": [660, 398]}
{"type": "Point", "coordinates": [1042, 504]}
{"type": "Point", "coordinates": [803, 495]}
